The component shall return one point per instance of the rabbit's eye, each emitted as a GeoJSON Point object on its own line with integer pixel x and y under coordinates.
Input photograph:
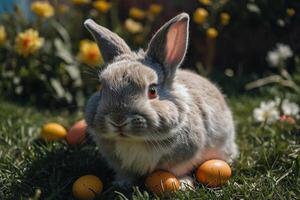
{"type": "Point", "coordinates": [152, 91]}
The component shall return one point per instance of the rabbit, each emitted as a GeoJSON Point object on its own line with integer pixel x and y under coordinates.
{"type": "Point", "coordinates": [149, 115]}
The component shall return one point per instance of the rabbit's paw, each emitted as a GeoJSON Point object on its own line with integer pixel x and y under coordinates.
{"type": "Point", "coordinates": [186, 183]}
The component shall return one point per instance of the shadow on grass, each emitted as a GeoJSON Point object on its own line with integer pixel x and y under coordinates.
{"type": "Point", "coordinates": [55, 168]}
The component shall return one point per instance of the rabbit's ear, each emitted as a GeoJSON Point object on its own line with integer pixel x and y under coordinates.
{"type": "Point", "coordinates": [111, 44]}
{"type": "Point", "coordinates": [168, 46]}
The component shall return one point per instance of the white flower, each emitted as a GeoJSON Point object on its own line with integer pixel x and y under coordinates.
{"type": "Point", "coordinates": [253, 8]}
{"type": "Point", "coordinates": [280, 54]}
{"type": "Point", "coordinates": [280, 22]}
{"type": "Point", "coordinates": [273, 58]}
{"type": "Point", "coordinates": [267, 112]}
{"type": "Point", "coordinates": [290, 108]}
{"type": "Point", "coordinates": [284, 51]}
{"type": "Point", "coordinates": [277, 101]}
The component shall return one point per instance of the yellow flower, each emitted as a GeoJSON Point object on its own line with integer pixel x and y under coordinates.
{"type": "Point", "coordinates": [224, 18]}
{"type": "Point", "coordinates": [28, 42]}
{"type": "Point", "coordinates": [205, 2]}
{"type": "Point", "coordinates": [155, 9]}
{"type": "Point", "coordinates": [200, 16]}
{"type": "Point", "coordinates": [42, 9]}
{"type": "Point", "coordinates": [137, 13]}
{"type": "Point", "coordinates": [2, 35]}
{"type": "Point", "coordinates": [63, 8]}
{"type": "Point", "coordinates": [133, 26]}
{"type": "Point", "coordinates": [80, 2]}
{"type": "Point", "coordinates": [89, 53]}
{"type": "Point", "coordinates": [212, 33]}
{"type": "Point", "coordinates": [290, 12]}
{"type": "Point", "coordinates": [102, 6]}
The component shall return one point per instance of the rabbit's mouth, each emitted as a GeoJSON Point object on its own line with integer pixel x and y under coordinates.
{"type": "Point", "coordinates": [121, 133]}
{"type": "Point", "coordinates": [133, 128]}
{"type": "Point", "coordinates": [119, 129]}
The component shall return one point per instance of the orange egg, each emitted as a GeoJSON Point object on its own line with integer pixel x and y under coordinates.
{"type": "Point", "coordinates": [77, 133]}
{"type": "Point", "coordinates": [53, 131]}
{"type": "Point", "coordinates": [86, 187]}
{"type": "Point", "coordinates": [162, 182]}
{"type": "Point", "coordinates": [213, 173]}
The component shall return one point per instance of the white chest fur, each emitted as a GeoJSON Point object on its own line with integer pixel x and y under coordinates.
{"type": "Point", "coordinates": [137, 156]}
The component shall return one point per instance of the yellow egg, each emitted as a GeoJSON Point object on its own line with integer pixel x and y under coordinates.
{"type": "Point", "coordinates": [77, 133]}
{"type": "Point", "coordinates": [53, 131]}
{"type": "Point", "coordinates": [86, 187]}
{"type": "Point", "coordinates": [213, 173]}
{"type": "Point", "coordinates": [162, 182]}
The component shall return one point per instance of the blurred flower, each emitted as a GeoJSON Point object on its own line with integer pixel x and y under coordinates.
{"type": "Point", "coordinates": [284, 51]}
{"type": "Point", "coordinates": [212, 33]}
{"type": "Point", "coordinates": [229, 72]}
{"type": "Point", "coordinates": [2, 35]}
{"type": "Point", "coordinates": [155, 9]}
{"type": "Point", "coordinates": [280, 22]}
{"type": "Point", "coordinates": [28, 42]}
{"type": "Point", "coordinates": [290, 108]}
{"type": "Point", "coordinates": [290, 12]}
{"type": "Point", "coordinates": [277, 101]}
{"type": "Point", "coordinates": [224, 18]}
{"type": "Point", "coordinates": [102, 6]}
{"type": "Point", "coordinates": [133, 26]}
{"type": "Point", "coordinates": [42, 9]}
{"type": "Point", "coordinates": [200, 15]}
{"type": "Point", "coordinates": [80, 2]}
{"type": "Point", "coordinates": [267, 112]}
{"type": "Point", "coordinates": [137, 13]}
{"type": "Point", "coordinates": [205, 2]}
{"type": "Point", "coordinates": [277, 56]}
{"type": "Point", "coordinates": [253, 8]}
{"type": "Point", "coordinates": [62, 8]}
{"type": "Point", "coordinates": [273, 58]}
{"type": "Point", "coordinates": [89, 53]}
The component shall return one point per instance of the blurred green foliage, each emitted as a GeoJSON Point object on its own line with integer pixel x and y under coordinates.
{"type": "Point", "coordinates": [228, 37]}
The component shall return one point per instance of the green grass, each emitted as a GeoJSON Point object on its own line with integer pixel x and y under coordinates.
{"type": "Point", "coordinates": [268, 166]}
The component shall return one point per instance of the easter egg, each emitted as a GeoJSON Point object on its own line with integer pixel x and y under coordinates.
{"type": "Point", "coordinates": [77, 133]}
{"type": "Point", "coordinates": [213, 173]}
{"type": "Point", "coordinates": [162, 182]}
{"type": "Point", "coordinates": [53, 131]}
{"type": "Point", "coordinates": [86, 187]}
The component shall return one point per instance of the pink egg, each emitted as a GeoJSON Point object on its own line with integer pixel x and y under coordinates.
{"type": "Point", "coordinates": [77, 133]}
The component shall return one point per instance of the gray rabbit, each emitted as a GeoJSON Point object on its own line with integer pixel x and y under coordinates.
{"type": "Point", "coordinates": [151, 115]}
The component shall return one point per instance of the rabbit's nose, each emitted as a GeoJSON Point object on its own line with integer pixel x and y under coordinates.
{"type": "Point", "coordinates": [118, 118]}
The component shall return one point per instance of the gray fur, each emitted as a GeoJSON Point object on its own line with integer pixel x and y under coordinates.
{"type": "Point", "coordinates": [157, 47]}
{"type": "Point", "coordinates": [189, 122]}
{"type": "Point", "coordinates": [111, 42]}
